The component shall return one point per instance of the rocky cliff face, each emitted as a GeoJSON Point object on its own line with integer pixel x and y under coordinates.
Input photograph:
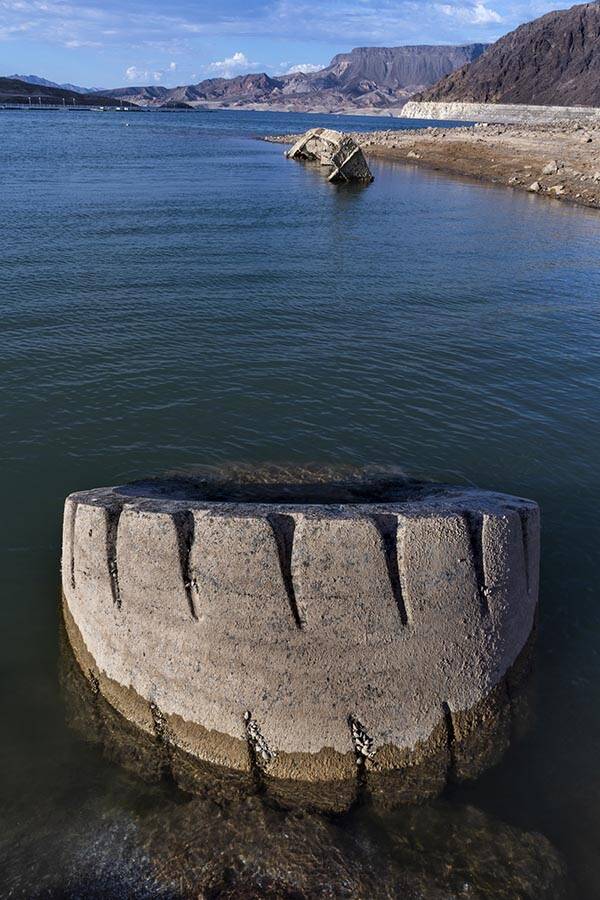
{"type": "Point", "coordinates": [554, 61]}
{"type": "Point", "coordinates": [378, 77]}
{"type": "Point", "coordinates": [394, 68]}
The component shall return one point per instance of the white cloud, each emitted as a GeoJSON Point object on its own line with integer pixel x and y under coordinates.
{"type": "Point", "coordinates": [74, 44]}
{"type": "Point", "coordinates": [9, 31]}
{"type": "Point", "coordinates": [237, 64]}
{"type": "Point", "coordinates": [483, 15]}
{"type": "Point", "coordinates": [477, 14]}
{"type": "Point", "coordinates": [305, 68]}
{"type": "Point", "coordinates": [132, 73]}
{"type": "Point", "coordinates": [143, 76]}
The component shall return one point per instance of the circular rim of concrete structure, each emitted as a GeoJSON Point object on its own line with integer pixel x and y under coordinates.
{"type": "Point", "coordinates": [299, 639]}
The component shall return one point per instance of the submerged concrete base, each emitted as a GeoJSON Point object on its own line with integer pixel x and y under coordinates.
{"type": "Point", "coordinates": [139, 737]}
{"type": "Point", "coordinates": [316, 646]}
{"type": "Point", "coordinates": [230, 840]}
{"type": "Point", "coordinates": [338, 151]}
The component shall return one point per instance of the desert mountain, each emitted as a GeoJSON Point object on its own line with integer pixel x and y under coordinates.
{"type": "Point", "coordinates": [395, 68]}
{"type": "Point", "coordinates": [13, 90]}
{"type": "Point", "coordinates": [43, 82]}
{"type": "Point", "coordinates": [553, 61]}
{"type": "Point", "coordinates": [367, 77]}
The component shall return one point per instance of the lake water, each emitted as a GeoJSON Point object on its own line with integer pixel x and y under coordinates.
{"type": "Point", "coordinates": [175, 294]}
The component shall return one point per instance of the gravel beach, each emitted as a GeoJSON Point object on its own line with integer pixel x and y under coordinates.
{"type": "Point", "coordinates": [561, 162]}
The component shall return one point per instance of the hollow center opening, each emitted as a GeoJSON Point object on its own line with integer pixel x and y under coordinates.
{"type": "Point", "coordinates": [281, 486]}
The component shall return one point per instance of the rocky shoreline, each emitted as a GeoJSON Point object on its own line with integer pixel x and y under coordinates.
{"type": "Point", "coordinates": [561, 162]}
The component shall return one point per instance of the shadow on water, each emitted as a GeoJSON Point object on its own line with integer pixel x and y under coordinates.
{"type": "Point", "coordinates": [277, 483]}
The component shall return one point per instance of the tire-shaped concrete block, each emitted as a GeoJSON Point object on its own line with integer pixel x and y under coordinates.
{"type": "Point", "coordinates": [308, 644]}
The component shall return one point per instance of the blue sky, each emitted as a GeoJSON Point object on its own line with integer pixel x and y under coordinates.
{"type": "Point", "coordinates": [109, 43]}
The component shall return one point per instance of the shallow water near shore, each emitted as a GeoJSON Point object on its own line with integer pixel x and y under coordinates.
{"type": "Point", "coordinates": [175, 294]}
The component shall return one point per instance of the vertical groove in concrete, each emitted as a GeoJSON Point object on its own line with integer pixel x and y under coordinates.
{"type": "Point", "coordinates": [387, 526]}
{"type": "Point", "coordinates": [259, 753]}
{"type": "Point", "coordinates": [474, 523]}
{"type": "Point", "coordinates": [113, 514]}
{"type": "Point", "coordinates": [283, 527]}
{"type": "Point", "coordinates": [92, 682]}
{"type": "Point", "coordinates": [255, 769]}
{"type": "Point", "coordinates": [525, 538]}
{"type": "Point", "coordinates": [361, 739]}
{"type": "Point", "coordinates": [362, 744]}
{"type": "Point", "coordinates": [184, 529]}
{"type": "Point", "coordinates": [451, 738]}
{"type": "Point", "coordinates": [163, 740]}
{"type": "Point", "coordinates": [71, 536]}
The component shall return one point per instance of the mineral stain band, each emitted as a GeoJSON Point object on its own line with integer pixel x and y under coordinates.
{"type": "Point", "coordinates": [311, 642]}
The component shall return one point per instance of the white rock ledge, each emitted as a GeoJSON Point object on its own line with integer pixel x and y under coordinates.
{"type": "Point", "coordinates": [505, 113]}
{"type": "Point", "coordinates": [302, 638]}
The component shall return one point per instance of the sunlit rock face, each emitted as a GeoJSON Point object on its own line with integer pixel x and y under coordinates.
{"type": "Point", "coordinates": [322, 635]}
{"type": "Point", "coordinates": [551, 61]}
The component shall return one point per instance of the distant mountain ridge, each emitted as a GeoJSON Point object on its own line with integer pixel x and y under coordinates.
{"type": "Point", "coordinates": [13, 90]}
{"type": "Point", "coordinates": [552, 61]}
{"type": "Point", "coordinates": [44, 82]}
{"type": "Point", "coordinates": [364, 78]}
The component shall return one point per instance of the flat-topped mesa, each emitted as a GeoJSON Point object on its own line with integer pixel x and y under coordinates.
{"type": "Point", "coordinates": [301, 636]}
{"type": "Point", "coordinates": [332, 148]}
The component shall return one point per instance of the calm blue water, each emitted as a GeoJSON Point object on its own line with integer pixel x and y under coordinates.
{"type": "Point", "coordinates": [174, 293]}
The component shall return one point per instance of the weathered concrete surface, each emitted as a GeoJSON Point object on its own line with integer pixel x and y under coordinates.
{"type": "Point", "coordinates": [332, 148]}
{"type": "Point", "coordinates": [225, 841]}
{"type": "Point", "coordinates": [500, 113]}
{"type": "Point", "coordinates": [299, 639]}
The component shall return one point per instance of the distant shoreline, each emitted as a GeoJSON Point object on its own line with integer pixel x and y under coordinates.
{"type": "Point", "coordinates": [374, 112]}
{"type": "Point", "coordinates": [557, 161]}
{"type": "Point", "coordinates": [394, 112]}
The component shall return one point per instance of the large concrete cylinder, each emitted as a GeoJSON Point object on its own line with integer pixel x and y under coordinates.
{"type": "Point", "coordinates": [309, 642]}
